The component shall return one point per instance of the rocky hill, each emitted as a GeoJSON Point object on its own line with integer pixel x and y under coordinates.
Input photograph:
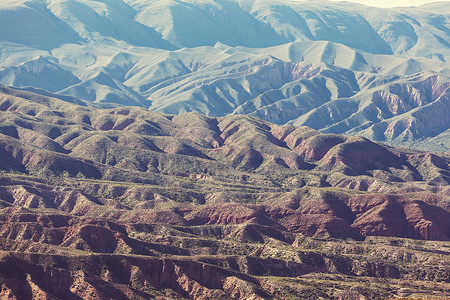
{"type": "Point", "coordinates": [128, 203]}
{"type": "Point", "coordinates": [336, 67]}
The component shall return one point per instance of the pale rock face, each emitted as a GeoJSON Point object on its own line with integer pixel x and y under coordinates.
{"type": "Point", "coordinates": [336, 67]}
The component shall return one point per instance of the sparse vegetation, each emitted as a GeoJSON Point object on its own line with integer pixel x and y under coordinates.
{"type": "Point", "coordinates": [158, 213]}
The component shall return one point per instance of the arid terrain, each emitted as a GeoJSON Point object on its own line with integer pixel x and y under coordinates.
{"type": "Point", "coordinates": [337, 67]}
{"type": "Point", "coordinates": [126, 203]}
{"type": "Point", "coordinates": [224, 149]}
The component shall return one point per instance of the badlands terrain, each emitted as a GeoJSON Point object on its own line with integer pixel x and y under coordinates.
{"type": "Point", "coordinates": [128, 203]}
{"type": "Point", "coordinates": [224, 149]}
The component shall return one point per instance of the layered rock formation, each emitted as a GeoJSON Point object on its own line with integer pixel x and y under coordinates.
{"type": "Point", "coordinates": [129, 203]}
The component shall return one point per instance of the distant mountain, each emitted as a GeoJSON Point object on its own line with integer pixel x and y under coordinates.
{"type": "Point", "coordinates": [336, 67]}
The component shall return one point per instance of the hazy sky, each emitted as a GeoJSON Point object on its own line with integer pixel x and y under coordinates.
{"type": "Point", "coordinates": [391, 3]}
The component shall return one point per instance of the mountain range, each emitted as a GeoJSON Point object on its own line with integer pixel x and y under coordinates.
{"type": "Point", "coordinates": [336, 67]}
{"type": "Point", "coordinates": [224, 149]}
{"type": "Point", "coordinates": [128, 203]}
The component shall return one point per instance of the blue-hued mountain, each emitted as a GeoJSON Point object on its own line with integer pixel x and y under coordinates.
{"type": "Point", "coordinates": [336, 67]}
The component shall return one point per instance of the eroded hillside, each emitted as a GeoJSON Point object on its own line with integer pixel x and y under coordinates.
{"type": "Point", "coordinates": [129, 203]}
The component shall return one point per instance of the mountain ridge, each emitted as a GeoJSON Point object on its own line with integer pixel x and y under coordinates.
{"type": "Point", "coordinates": [304, 61]}
{"type": "Point", "coordinates": [129, 203]}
